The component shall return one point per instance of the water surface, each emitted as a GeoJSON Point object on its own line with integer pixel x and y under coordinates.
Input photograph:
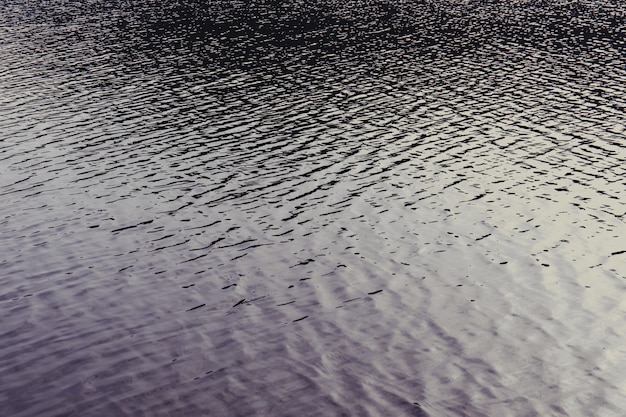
{"type": "Point", "coordinates": [288, 209]}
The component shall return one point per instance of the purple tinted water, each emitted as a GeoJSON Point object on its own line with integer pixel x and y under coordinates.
{"type": "Point", "coordinates": [363, 208]}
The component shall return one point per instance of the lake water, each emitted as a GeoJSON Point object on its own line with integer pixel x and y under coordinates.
{"type": "Point", "coordinates": [382, 208]}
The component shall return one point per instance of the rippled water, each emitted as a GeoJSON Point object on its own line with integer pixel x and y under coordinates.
{"type": "Point", "coordinates": [221, 208]}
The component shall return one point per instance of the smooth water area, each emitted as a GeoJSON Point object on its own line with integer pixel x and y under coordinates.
{"type": "Point", "coordinates": [386, 208]}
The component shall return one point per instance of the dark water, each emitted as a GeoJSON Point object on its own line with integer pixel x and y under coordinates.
{"type": "Point", "coordinates": [220, 208]}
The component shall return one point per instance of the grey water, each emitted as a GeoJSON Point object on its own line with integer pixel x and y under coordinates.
{"type": "Point", "coordinates": [289, 208]}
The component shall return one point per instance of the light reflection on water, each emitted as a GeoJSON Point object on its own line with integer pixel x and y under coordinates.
{"type": "Point", "coordinates": [332, 209]}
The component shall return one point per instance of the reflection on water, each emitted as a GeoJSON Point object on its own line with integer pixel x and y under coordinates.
{"type": "Point", "coordinates": [283, 208]}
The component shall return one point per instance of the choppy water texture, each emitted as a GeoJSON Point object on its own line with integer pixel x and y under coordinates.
{"type": "Point", "coordinates": [382, 208]}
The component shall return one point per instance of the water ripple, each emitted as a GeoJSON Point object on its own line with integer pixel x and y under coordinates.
{"type": "Point", "coordinates": [229, 208]}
